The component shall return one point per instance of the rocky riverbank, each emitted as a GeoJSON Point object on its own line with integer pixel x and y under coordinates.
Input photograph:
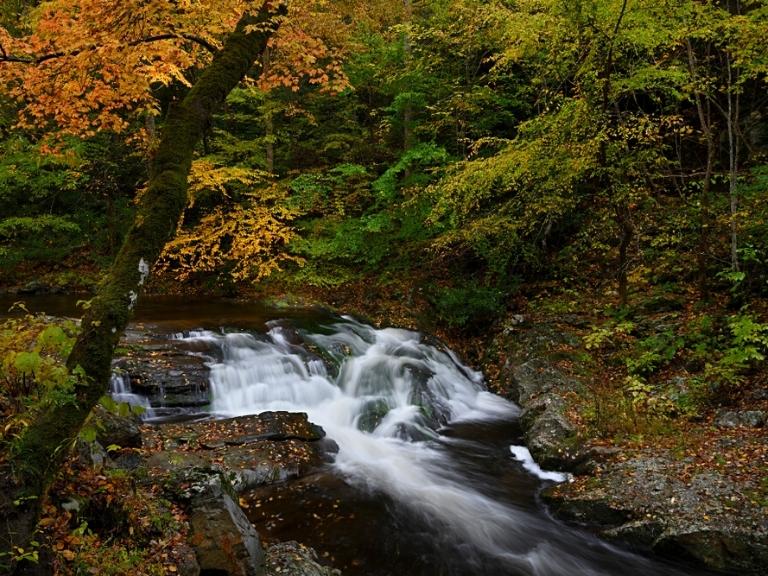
{"type": "Point", "coordinates": [204, 467]}
{"type": "Point", "coordinates": [696, 494]}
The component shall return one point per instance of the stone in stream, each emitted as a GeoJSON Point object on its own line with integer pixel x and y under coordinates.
{"type": "Point", "coordinates": [251, 450]}
{"type": "Point", "coordinates": [166, 374]}
{"type": "Point", "coordinates": [224, 540]}
{"type": "Point", "coordinates": [294, 559]}
{"type": "Point", "coordinates": [643, 500]}
{"type": "Point", "coordinates": [205, 464]}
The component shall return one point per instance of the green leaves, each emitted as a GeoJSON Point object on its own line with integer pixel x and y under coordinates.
{"type": "Point", "coordinates": [33, 350]}
{"type": "Point", "coordinates": [27, 363]}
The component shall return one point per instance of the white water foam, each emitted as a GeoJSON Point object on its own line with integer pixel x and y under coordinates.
{"type": "Point", "coordinates": [522, 454]}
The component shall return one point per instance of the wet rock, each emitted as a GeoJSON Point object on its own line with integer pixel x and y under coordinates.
{"type": "Point", "coordinates": [91, 454]}
{"type": "Point", "coordinates": [224, 540]}
{"type": "Point", "coordinates": [164, 372]}
{"type": "Point", "coordinates": [590, 509]}
{"type": "Point", "coordinates": [643, 532]}
{"type": "Point", "coordinates": [33, 288]}
{"type": "Point", "coordinates": [294, 559]}
{"type": "Point", "coordinates": [734, 551]}
{"type": "Point", "coordinates": [551, 438]}
{"type": "Point", "coordinates": [747, 418]}
{"type": "Point", "coordinates": [250, 451]}
{"type": "Point", "coordinates": [112, 429]}
{"type": "Point", "coordinates": [643, 501]}
{"type": "Point", "coordinates": [186, 561]}
{"type": "Point", "coordinates": [534, 377]}
{"type": "Point", "coordinates": [372, 414]}
{"type": "Point", "coordinates": [539, 387]}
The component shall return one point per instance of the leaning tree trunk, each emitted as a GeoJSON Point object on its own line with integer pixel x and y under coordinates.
{"type": "Point", "coordinates": [42, 448]}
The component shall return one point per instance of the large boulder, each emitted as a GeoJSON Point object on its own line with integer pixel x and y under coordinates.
{"type": "Point", "coordinates": [224, 540]}
{"type": "Point", "coordinates": [533, 380]}
{"type": "Point", "coordinates": [251, 451]}
{"type": "Point", "coordinates": [653, 501]}
{"type": "Point", "coordinates": [112, 429]}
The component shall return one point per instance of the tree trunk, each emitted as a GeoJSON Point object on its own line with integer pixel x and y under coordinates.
{"type": "Point", "coordinates": [269, 121]}
{"type": "Point", "coordinates": [733, 164]}
{"type": "Point", "coordinates": [39, 453]}
{"type": "Point", "coordinates": [624, 218]}
{"type": "Point", "coordinates": [707, 129]}
{"type": "Point", "coordinates": [408, 110]}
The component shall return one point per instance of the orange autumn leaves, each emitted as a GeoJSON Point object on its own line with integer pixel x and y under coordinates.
{"type": "Point", "coordinates": [86, 66]}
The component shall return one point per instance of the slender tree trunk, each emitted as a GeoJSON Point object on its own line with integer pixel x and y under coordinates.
{"type": "Point", "coordinates": [40, 451]}
{"type": "Point", "coordinates": [705, 122]}
{"type": "Point", "coordinates": [408, 111]}
{"type": "Point", "coordinates": [624, 218]}
{"type": "Point", "coordinates": [621, 204]}
{"type": "Point", "coordinates": [269, 121]}
{"type": "Point", "coordinates": [732, 121]}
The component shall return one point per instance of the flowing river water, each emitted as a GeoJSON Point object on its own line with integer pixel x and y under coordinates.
{"type": "Point", "coordinates": [429, 478]}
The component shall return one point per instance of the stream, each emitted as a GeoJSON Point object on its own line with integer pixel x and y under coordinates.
{"type": "Point", "coordinates": [430, 478]}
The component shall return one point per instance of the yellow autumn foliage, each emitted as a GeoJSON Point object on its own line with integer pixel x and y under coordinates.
{"type": "Point", "coordinates": [247, 238]}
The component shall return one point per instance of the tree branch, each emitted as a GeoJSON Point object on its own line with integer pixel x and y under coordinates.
{"type": "Point", "coordinates": [5, 57]}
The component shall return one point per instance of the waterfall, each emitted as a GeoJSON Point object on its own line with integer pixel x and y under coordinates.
{"type": "Point", "coordinates": [120, 390]}
{"type": "Point", "coordinates": [385, 396]}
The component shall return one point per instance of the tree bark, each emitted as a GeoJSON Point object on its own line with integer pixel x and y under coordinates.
{"type": "Point", "coordinates": [269, 120]}
{"type": "Point", "coordinates": [624, 218]}
{"type": "Point", "coordinates": [732, 121]}
{"type": "Point", "coordinates": [39, 453]}
{"type": "Point", "coordinates": [707, 129]}
{"type": "Point", "coordinates": [408, 110]}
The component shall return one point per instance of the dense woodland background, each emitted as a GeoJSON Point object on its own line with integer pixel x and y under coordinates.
{"type": "Point", "coordinates": [469, 158]}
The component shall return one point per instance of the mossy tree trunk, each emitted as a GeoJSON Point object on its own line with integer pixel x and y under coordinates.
{"type": "Point", "coordinates": [39, 453]}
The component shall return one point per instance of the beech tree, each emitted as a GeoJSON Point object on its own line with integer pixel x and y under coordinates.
{"type": "Point", "coordinates": [79, 67]}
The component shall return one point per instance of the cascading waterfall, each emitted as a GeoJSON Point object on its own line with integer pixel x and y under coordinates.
{"type": "Point", "coordinates": [120, 390]}
{"type": "Point", "coordinates": [384, 396]}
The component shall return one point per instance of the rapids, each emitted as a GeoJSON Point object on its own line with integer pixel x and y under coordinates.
{"type": "Point", "coordinates": [405, 413]}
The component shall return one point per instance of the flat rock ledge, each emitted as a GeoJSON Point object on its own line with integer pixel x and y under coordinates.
{"type": "Point", "coordinates": [637, 499]}
{"type": "Point", "coordinates": [206, 465]}
{"type": "Point", "coordinates": [705, 519]}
